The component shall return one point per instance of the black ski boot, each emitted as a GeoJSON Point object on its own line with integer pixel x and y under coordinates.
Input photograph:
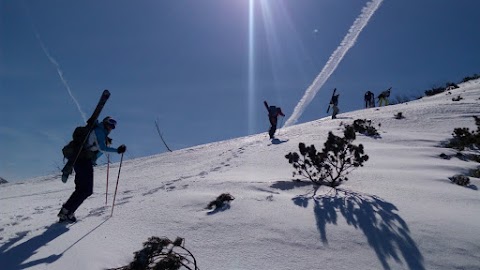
{"type": "Point", "coordinates": [65, 216]}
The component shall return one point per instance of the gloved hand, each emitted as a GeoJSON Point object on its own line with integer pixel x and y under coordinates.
{"type": "Point", "coordinates": [121, 149]}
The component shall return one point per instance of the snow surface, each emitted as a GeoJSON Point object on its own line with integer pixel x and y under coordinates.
{"type": "Point", "coordinates": [399, 211]}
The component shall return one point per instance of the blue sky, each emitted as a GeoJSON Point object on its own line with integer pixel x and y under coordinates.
{"type": "Point", "coordinates": [186, 64]}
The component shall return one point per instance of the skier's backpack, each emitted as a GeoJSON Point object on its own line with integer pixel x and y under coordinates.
{"type": "Point", "coordinates": [334, 100]}
{"type": "Point", "coordinates": [368, 95]}
{"type": "Point", "coordinates": [79, 137]}
{"type": "Point", "coordinates": [272, 111]}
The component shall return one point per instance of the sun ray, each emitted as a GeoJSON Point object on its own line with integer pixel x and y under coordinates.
{"type": "Point", "coordinates": [285, 46]}
{"type": "Point", "coordinates": [251, 68]}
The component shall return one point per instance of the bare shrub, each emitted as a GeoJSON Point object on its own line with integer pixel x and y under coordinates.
{"type": "Point", "coordinates": [460, 180]}
{"type": "Point", "coordinates": [162, 254]}
{"type": "Point", "coordinates": [332, 165]}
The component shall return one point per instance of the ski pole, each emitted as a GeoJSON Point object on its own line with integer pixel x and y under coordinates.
{"type": "Point", "coordinates": [118, 178]}
{"type": "Point", "coordinates": [281, 124]}
{"type": "Point", "coordinates": [108, 169]}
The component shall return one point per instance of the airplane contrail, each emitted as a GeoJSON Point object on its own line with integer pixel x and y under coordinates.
{"type": "Point", "coordinates": [335, 59]}
{"type": "Point", "coordinates": [60, 73]}
{"type": "Point", "coordinates": [53, 61]}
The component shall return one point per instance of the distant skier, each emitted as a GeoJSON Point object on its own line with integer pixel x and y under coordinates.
{"type": "Point", "coordinates": [96, 144]}
{"type": "Point", "coordinates": [334, 105]}
{"type": "Point", "coordinates": [383, 97]}
{"type": "Point", "coordinates": [273, 113]}
{"type": "Point", "coordinates": [369, 100]}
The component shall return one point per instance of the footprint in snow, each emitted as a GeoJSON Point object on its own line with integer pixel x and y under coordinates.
{"type": "Point", "coordinates": [97, 212]}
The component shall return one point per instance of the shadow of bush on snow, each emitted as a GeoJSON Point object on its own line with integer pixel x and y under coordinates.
{"type": "Point", "coordinates": [287, 185]}
{"type": "Point", "coordinates": [473, 187]}
{"type": "Point", "coordinates": [219, 209]}
{"type": "Point", "coordinates": [387, 233]}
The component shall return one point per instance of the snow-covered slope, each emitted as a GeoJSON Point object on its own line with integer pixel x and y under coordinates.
{"type": "Point", "coordinates": [399, 211]}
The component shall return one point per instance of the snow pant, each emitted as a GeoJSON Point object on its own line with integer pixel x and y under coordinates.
{"type": "Point", "coordinates": [369, 104]}
{"type": "Point", "coordinates": [273, 128]}
{"type": "Point", "coordinates": [382, 100]}
{"type": "Point", "coordinates": [335, 112]}
{"type": "Point", "coordinates": [83, 184]}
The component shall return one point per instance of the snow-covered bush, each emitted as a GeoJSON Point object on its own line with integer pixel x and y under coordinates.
{"type": "Point", "coordinates": [463, 138]}
{"type": "Point", "coordinates": [458, 98]}
{"type": "Point", "coordinates": [460, 180]}
{"type": "Point", "coordinates": [331, 166]}
{"type": "Point", "coordinates": [364, 126]}
{"type": "Point", "coordinates": [161, 254]}
{"type": "Point", "coordinates": [475, 173]}
{"type": "Point", "coordinates": [220, 201]}
{"type": "Point", "coordinates": [399, 115]}
{"type": "Point", "coordinates": [444, 156]}
{"type": "Point", "coordinates": [438, 90]}
{"type": "Point", "coordinates": [3, 181]}
{"type": "Point", "coordinates": [475, 158]}
{"type": "Point", "coordinates": [469, 78]}
{"type": "Point", "coordinates": [434, 90]}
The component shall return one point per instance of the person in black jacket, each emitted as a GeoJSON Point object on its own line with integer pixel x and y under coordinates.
{"type": "Point", "coordinates": [273, 113]}
{"type": "Point", "coordinates": [334, 105]}
{"type": "Point", "coordinates": [369, 100]}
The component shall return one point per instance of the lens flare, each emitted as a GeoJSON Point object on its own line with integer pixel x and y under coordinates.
{"type": "Point", "coordinates": [251, 68]}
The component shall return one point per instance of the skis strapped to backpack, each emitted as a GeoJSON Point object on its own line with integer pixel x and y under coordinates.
{"type": "Point", "coordinates": [74, 149]}
{"type": "Point", "coordinates": [333, 94]}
